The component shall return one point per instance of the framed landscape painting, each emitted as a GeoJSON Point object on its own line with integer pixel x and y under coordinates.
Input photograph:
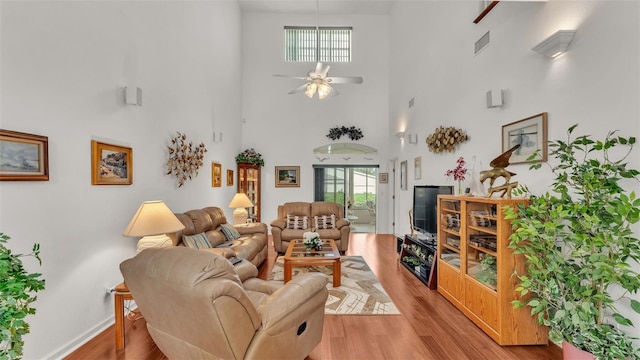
{"type": "Point", "coordinates": [287, 176]}
{"type": "Point", "coordinates": [530, 134]}
{"type": "Point", "coordinates": [23, 156]}
{"type": "Point", "coordinates": [111, 164]}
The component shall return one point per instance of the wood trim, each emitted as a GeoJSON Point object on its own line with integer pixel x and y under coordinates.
{"type": "Point", "coordinates": [485, 11]}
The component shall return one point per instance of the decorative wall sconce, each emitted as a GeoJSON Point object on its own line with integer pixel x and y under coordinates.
{"type": "Point", "coordinates": [556, 44]}
{"type": "Point", "coordinates": [133, 95]}
{"type": "Point", "coordinates": [495, 98]}
{"type": "Point", "coordinates": [400, 134]}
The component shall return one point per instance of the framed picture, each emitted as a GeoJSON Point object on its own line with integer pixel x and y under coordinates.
{"type": "Point", "coordinates": [530, 134]}
{"type": "Point", "coordinates": [229, 177]}
{"type": "Point", "coordinates": [384, 178]}
{"type": "Point", "coordinates": [287, 176]}
{"type": "Point", "coordinates": [417, 168]}
{"type": "Point", "coordinates": [403, 175]}
{"type": "Point", "coordinates": [216, 174]}
{"type": "Point", "coordinates": [111, 164]}
{"type": "Point", "coordinates": [23, 156]}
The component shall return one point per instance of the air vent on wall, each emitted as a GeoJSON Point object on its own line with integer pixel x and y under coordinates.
{"type": "Point", "coordinates": [482, 43]}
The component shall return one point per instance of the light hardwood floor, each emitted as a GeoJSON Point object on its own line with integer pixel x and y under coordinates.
{"type": "Point", "coordinates": [429, 327]}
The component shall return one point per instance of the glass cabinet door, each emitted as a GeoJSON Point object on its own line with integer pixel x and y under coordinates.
{"type": "Point", "coordinates": [481, 244]}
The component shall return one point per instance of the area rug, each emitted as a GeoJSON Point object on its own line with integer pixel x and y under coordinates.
{"type": "Point", "coordinates": [360, 293]}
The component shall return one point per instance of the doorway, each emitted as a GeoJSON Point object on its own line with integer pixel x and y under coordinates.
{"type": "Point", "coordinates": [354, 188]}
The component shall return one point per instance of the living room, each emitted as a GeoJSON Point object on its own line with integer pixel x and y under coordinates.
{"type": "Point", "coordinates": [206, 69]}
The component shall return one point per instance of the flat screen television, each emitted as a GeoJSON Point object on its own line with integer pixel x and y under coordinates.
{"type": "Point", "coordinates": [425, 207]}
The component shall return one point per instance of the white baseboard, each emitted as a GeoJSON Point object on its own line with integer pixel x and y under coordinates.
{"type": "Point", "coordinates": [74, 344]}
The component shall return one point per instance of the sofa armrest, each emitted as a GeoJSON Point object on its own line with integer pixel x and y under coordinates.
{"type": "Point", "coordinates": [342, 222]}
{"type": "Point", "coordinates": [279, 223]}
{"type": "Point", "coordinates": [251, 228]}
{"type": "Point", "coordinates": [281, 311]}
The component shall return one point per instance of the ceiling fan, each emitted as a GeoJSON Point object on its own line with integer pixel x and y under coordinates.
{"type": "Point", "coordinates": [318, 81]}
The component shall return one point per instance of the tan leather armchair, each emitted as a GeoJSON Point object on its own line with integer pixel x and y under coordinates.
{"type": "Point", "coordinates": [282, 234]}
{"type": "Point", "coordinates": [197, 307]}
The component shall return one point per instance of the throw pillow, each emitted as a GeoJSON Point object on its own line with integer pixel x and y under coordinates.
{"type": "Point", "coordinates": [297, 222]}
{"type": "Point", "coordinates": [229, 231]}
{"type": "Point", "coordinates": [325, 221]}
{"type": "Point", "coordinates": [197, 241]}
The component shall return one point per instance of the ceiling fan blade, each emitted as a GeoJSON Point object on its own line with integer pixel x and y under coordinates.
{"type": "Point", "coordinates": [345, 79]}
{"type": "Point", "coordinates": [292, 77]}
{"type": "Point", "coordinates": [298, 89]}
{"type": "Point", "coordinates": [322, 70]}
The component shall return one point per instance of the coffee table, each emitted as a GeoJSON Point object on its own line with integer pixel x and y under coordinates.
{"type": "Point", "coordinates": [297, 256]}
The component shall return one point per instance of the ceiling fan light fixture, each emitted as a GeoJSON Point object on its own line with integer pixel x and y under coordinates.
{"type": "Point", "coordinates": [311, 90]}
{"type": "Point", "coordinates": [324, 90]}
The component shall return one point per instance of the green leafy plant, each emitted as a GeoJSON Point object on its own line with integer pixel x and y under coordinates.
{"type": "Point", "coordinates": [578, 245]}
{"type": "Point", "coordinates": [250, 156]}
{"type": "Point", "coordinates": [411, 260]}
{"type": "Point", "coordinates": [17, 292]}
{"type": "Point", "coordinates": [488, 272]}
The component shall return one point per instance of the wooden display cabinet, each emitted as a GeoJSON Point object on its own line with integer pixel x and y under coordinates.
{"type": "Point", "coordinates": [418, 255]}
{"type": "Point", "coordinates": [249, 183]}
{"type": "Point", "coordinates": [475, 268]}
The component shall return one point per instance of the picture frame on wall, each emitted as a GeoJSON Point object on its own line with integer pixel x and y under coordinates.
{"type": "Point", "coordinates": [229, 177]}
{"type": "Point", "coordinates": [111, 164]}
{"type": "Point", "coordinates": [417, 168]}
{"type": "Point", "coordinates": [23, 156]}
{"type": "Point", "coordinates": [384, 178]}
{"type": "Point", "coordinates": [216, 174]}
{"type": "Point", "coordinates": [531, 134]}
{"type": "Point", "coordinates": [403, 175]}
{"type": "Point", "coordinates": [287, 176]}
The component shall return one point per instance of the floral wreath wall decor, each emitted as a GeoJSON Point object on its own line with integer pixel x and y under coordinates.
{"type": "Point", "coordinates": [184, 158]}
{"type": "Point", "coordinates": [250, 156]}
{"type": "Point", "coordinates": [352, 132]}
{"type": "Point", "coordinates": [446, 139]}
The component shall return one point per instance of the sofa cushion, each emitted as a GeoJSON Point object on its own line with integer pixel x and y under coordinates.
{"type": "Point", "coordinates": [229, 231]}
{"type": "Point", "coordinates": [197, 241]}
{"type": "Point", "coordinates": [297, 222]}
{"type": "Point", "coordinates": [325, 221]}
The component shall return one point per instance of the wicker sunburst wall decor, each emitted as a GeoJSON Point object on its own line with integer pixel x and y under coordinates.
{"type": "Point", "coordinates": [445, 139]}
{"type": "Point", "coordinates": [184, 158]}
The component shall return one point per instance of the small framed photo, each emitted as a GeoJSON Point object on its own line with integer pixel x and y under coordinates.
{"type": "Point", "coordinates": [111, 164]}
{"type": "Point", "coordinates": [216, 174]}
{"type": "Point", "coordinates": [229, 177]}
{"type": "Point", "coordinates": [403, 175]}
{"type": "Point", "coordinates": [530, 134]}
{"type": "Point", "coordinates": [23, 156]}
{"type": "Point", "coordinates": [417, 168]}
{"type": "Point", "coordinates": [384, 178]}
{"type": "Point", "coordinates": [287, 176]}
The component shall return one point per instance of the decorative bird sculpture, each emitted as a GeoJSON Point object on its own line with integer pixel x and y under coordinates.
{"type": "Point", "coordinates": [498, 170]}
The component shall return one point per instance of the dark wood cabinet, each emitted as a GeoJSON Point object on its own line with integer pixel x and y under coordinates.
{"type": "Point", "coordinates": [249, 183]}
{"type": "Point", "coordinates": [418, 254]}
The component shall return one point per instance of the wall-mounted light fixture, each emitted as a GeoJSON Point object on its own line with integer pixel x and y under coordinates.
{"type": "Point", "coordinates": [556, 44]}
{"type": "Point", "coordinates": [400, 134]}
{"type": "Point", "coordinates": [495, 98]}
{"type": "Point", "coordinates": [133, 95]}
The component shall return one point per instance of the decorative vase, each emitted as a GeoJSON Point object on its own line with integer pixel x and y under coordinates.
{"type": "Point", "coordinates": [307, 249]}
{"type": "Point", "coordinates": [570, 352]}
{"type": "Point", "coordinates": [459, 187]}
{"type": "Point", "coordinates": [318, 247]}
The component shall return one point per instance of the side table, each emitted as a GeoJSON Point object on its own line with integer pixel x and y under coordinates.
{"type": "Point", "coordinates": [122, 294]}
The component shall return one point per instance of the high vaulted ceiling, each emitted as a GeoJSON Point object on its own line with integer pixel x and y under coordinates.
{"type": "Point", "coordinates": [368, 7]}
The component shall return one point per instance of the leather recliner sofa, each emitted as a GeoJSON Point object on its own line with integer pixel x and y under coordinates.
{"type": "Point", "coordinates": [197, 307]}
{"type": "Point", "coordinates": [283, 232]}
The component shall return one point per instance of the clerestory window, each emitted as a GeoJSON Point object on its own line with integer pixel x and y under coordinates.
{"type": "Point", "coordinates": [327, 44]}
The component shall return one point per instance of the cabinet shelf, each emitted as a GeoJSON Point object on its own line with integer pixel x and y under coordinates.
{"type": "Point", "coordinates": [477, 268]}
{"type": "Point", "coordinates": [425, 252]}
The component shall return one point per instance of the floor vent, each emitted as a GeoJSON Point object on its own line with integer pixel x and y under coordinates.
{"type": "Point", "coordinates": [482, 43]}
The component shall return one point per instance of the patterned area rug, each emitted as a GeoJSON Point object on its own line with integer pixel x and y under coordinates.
{"type": "Point", "coordinates": [360, 292]}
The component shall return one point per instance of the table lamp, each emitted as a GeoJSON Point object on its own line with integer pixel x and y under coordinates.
{"type": "Point", "coordinates": [152, 222]}
{"type": "Point", "coordinates": [240, 202]}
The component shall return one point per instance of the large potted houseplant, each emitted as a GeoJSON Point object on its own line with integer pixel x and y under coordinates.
{"type": "Point", "coordinates": [17, 291]}
{"type": "Point", "coordinates": [578, 245]}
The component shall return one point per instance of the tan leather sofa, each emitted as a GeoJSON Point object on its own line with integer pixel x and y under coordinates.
{"type": "Point", "coordinates": [252, 244]}
{"type": "Point", "coordinates": [283, 234]}
{"type": "Point", "coordinates": [197, 307]}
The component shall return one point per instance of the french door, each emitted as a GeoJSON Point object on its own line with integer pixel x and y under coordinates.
{"type": "Point", "coordinates": [353, 187]}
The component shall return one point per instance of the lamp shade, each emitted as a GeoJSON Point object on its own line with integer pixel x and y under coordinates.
{"type": "Point", "coordinates": [240, 200]}
{"type": "Point", "coordinates": [153, 218]}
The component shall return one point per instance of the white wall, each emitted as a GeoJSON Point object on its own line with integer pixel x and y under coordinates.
{"type": "Point", "coordinates": [595, 84]}
{"type": "Point", "coordinates": [63, 64]}
{"type": "Point", "coordinates": [286, 128]}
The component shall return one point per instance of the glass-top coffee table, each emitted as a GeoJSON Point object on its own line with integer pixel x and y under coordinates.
{"type": "Point", "coordinates": [296, 255]}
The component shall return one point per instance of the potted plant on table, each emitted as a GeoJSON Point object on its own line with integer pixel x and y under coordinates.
{"type": "Point", "coordinates": [578, 245]}
{"type": "Point", "coordinates": [250, 156]}
{"type": "Point", "coordinates": [17, 292]}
